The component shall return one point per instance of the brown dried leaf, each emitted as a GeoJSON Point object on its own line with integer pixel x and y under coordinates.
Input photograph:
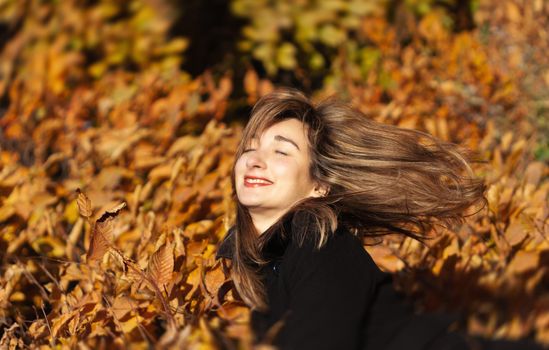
{"type": "Point", "coordinates": [515, 233]}
{"type": "Point", "coordinates": [182, 145]}
{"type": "Point", "coordinates": [112, 213]}
{"type": "Point", "coordinates": [122, 306]}
{"type": "Point", "coordinates": [84, 204]}
{"type": "Point", "coordinates": [99, 243]}
{"type": "Point", "coordinates": [523, 261]}
{"type": "Point", "coordinates": [161, 265]}
{"type": "Point", "coordinates": [214, 279]}
{"type": "Point", "coordinates": [534, 173]}
{"type": "Point", "coordinates": [59, 322]}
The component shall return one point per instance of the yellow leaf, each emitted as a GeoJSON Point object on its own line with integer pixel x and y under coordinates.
{"type": "Point", "coordinates": [286, 56]}
{"type": "Point", "coordinates": [17, 296]}
{"type": "Point", "coordinates": [194, 279]}
{"type": "Point", "coordinates": [6, 211]}
{"type": "Point", "coordinates": [49, 245]}
{"type": "Point", "coordinates": [71, 212]}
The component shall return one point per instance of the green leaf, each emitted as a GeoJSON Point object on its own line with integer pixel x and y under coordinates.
{"type": "Point", "coordinates": [286, 56]}
{"type": "Point", "coordinates": [332, 36]}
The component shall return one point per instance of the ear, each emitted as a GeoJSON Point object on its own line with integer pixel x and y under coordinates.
{"type": "Point", "coordinates": [320, 190]}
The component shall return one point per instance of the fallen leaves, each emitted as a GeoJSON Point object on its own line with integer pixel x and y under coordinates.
{"type": "Point", "coordinates": [127, 239]}
{"type": "Point", "coordinates": [129, 261]}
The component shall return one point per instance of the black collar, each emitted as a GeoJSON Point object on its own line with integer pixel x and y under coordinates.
{"type": "Point", "coordinates": [227, 245]}
{"type": "Point", "coordinates": [278, 236]}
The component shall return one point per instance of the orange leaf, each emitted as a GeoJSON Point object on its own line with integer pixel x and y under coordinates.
{"type": "Point", "coordinates": [99, 244]}
{"type": "Point", "coordinates": [515, 233]}
{"type": "Point", "coordinates": [534, 173]}
{"type": "Point", "coordinates": [121, 306]}
{"type": "Point", "coordinates": [84, 204]}
{"type": "Point", "coordinates": [161, 265]}
{"type": "Point", "coordinates": [101, 236]}
{"type": "Point", "coordinates": [523, 261]}
{"type": "Point", "coordinates": [214, 279]}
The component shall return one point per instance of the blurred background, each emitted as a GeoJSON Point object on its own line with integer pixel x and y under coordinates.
{"type": "Point", "coordinates": [143, 102]}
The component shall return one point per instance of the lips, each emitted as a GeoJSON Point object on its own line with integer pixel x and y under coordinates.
{"type": "Point", "coordinates": [254, 181]}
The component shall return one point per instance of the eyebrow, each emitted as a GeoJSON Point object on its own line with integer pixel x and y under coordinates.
{"type": "Point", "coordinates": [282, 138]}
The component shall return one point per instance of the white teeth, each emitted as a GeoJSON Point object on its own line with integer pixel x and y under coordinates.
{"type": "Point", "coordinates": [256, 181]}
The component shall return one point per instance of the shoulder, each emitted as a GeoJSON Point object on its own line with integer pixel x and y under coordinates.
{"type": "Point", "coordinates": [304, 236]}
{"type": "Point", "coordinates": [342, 255]}
{"type": "Point", "coordinates": [341, 244]}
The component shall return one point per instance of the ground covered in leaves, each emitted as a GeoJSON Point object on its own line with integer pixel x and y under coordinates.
{"type": "Point", "coordinates": [115, 162]}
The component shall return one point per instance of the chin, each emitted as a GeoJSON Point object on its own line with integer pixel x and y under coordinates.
{"type": "Point", "coordinates": [248, 202]}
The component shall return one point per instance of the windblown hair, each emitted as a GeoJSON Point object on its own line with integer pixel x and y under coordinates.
{"type": "Point", "coordinates": [382, 179]}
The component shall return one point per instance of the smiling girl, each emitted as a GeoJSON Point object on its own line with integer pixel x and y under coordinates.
{"type": "Point", "coordinates": [309, 182]}
{"type": "Point", "coordinates": [272, 174]}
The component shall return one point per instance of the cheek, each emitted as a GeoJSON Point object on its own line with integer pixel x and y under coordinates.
{"type": "Point", "coordinates": [292, 172]}
{"type": "Point", "coordinates": [303, 177]}
{"type": "Point", "coordinates": [283, 168]}
{"type": "Point", "coordinates": [240, 167]}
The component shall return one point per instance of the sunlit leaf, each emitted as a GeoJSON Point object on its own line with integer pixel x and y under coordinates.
{"type": "Point", "coordinates": [100, 243]}
{"type": "Point", "coordinates": [84, 204]}
{"type": "Point", "coordinates": [161, 265]}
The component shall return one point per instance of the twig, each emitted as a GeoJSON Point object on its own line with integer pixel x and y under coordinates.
{"type": "Point", "coordinates": [157, 290]}
{"type": "Point", "coordinates": [47, 272]}
{"type": "Point", "coordinates": [48, 324]}
{"type": "Point", "coordinates": [33, 280]}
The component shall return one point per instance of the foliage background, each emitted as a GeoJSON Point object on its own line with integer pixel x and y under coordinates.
{"type": "Point", "coordinates": [143, 102]}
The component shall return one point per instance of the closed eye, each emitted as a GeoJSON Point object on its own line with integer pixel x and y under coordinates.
{"type": "Point", "coordinates": [282, 153]}
{"type": "Point", "coordinates": [248, 150]}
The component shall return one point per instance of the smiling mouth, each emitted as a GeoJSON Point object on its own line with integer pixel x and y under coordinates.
{"type": "Point", "coordinates": [256, 182]}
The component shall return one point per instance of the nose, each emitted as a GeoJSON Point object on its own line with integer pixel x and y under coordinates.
{"type": "Point", "coordinates": [255, 160]}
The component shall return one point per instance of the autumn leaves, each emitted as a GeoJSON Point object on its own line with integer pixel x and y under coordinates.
{"type": "Point", "coordinates": [160, 267]}
{"type": "Point", "coordinates": [102, 228]}
{"type": "Point", "coordinates": [125, 124]}
{"type": "Point", "coordinates": [201, 287]}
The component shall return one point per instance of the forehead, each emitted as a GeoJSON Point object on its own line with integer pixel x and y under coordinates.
{"type": "Point", "coordinates": [289, 128]}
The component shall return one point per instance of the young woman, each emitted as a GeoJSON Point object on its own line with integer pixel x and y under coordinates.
{"type": "Point", "coordinates": [311, 180]}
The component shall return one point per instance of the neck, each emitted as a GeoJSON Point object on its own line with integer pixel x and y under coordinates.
{"type": "Point", "coordinates": [262, 221]}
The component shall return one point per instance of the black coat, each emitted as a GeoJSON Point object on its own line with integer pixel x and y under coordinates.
{"type": "Point", "coordinates": [337, 298]}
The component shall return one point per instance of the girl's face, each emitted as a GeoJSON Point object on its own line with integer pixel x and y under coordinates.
{"type": "Point", "coordinates": [273, 172]}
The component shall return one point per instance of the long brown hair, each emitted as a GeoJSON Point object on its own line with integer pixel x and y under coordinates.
{"type": "Point", "coordinates": [381, 179]}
